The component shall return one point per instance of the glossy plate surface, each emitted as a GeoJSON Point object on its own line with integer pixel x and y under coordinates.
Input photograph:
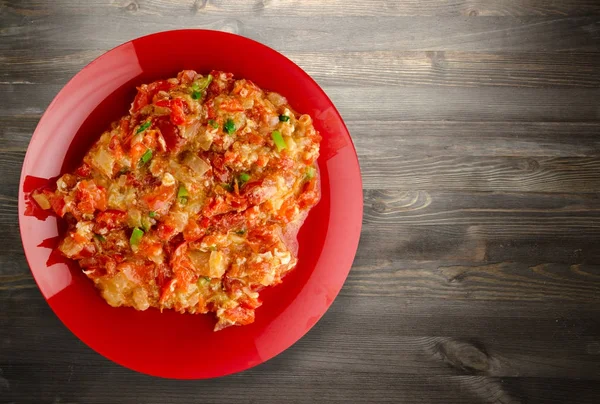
{"type": "Point", "coordinates": [170, 344]}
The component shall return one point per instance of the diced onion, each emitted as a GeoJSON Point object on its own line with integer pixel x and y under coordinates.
{"type": "Point", "coordinates": [196, 163]}
{"type": "Point", "coordinates": [191, 130]}
{"type": "Point", "coordinates": [42, 201]}
{"type": "Point", "coordinates": [217, 264]}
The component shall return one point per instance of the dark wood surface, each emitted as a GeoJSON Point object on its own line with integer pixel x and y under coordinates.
{"type": "Point", "coordinates": [477, 124]}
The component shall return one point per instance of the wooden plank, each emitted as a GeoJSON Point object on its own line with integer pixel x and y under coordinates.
{"type": "Point", "coordinates": [326, 33]}
{"type": "Point", "coordinates": [10, 166]}
{"type": "Point", "coordinates": [428, 244]}
{"type": "Point", "coordinates": [445, 8]}
{"type": "Point", "coordinates": [446, 282]}
{"type": "Point", "coordinates": [507, 281]}
{"type": "Point", "coordinates": [16, 132]}
{"type": "Point", "coordinates": [466, 104]}
{"type": "Point", "coordinates": [413, 138]}
{"type": "Point", "coordinates": [450, 69]}
{"type": "Point", "coordinates": [488, 174]}
{"type": "Point", "coordinates": [481, 104]}
{"type": "Point", "coordinates": [359, 69]}
{"type": "Point", "coordinates": [409, 315]}
{"type": "Point", "coordinates": [303, 387]}
{"type": "Point", "coordinates": [478, 272]}
{"type": "Point", "coordinates": [538, 390]}
{"type": "Point", "coordinates": [493, 139]}
{"type": "Point", "coordinates": [500, 351]}
{"type": "Point", "coordinates": [460, 228]}
{"type": "Point", "coordinates": [448, 173]}
{"type": "Point", "coordinates": [489, 214]}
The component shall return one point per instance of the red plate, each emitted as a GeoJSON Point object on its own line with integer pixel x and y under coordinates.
{"type": "Point", "coordinates": [182, 345]}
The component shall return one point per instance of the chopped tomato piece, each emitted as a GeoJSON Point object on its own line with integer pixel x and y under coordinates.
{"type": "Point", "coordinates": [309, 195]}
{"type": "Point", "coordinates": [177, 111]}
{"type": "Point", "coordinates": [259, 191]}
{"type": "Point", "coordinates": [170, 134]}
{"type": "Point", "coordinates": [256, 139]}
{"type": "Point", "coordinates": [109, 220]}
{"type": "Point", "coordinates": [141, 100]}
{"type": "Point", "coordinates": [84, 170]}
{"type": "Point", "coordinates": [160, 199]}
{"type": "Point", "coordinates": [194, 230]}
{"type": "Point", "coordinates": [165, 231]}
{"type": "Point", "coordinates": [239, 315]}
{"type": "Point", "coordinates": [178, 107]}
{"type": "Point", "coordinates": [145, 94]}
{"type": "Point", "coordinates": [115, 146]}
{"type": "Point", "coordinates": [136, 152]}
{"type": "Point", "coordinates": [90, 197]}
{"type": "Point", "coordinates": [231, 105]}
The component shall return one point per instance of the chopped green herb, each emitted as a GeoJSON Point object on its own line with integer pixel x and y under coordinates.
{"type": "Point", "coordinates": [207, 278]}
{"type": "Point", "coordinates": [310, 172]}
{"type": "Point", "coordinates": [182, 191]}
{"type": "Point", "coordinates": [100, 237]}
{"type": "Point", "coordinates": [229, 127]}
{"type": "Point", "coordinates": [201, 84]}
{"type": "Point", "coordinates": [123, 170]}
{"type": "Point", "coordinates": [284, 118]}
{"type": "Point", "coordinates": [278, 139]}
{"type": "Point", "coordinates": [144, 126]}
{"type": "Point", "coordinates": [136, 237]}
{"type": "Point", "coordinates": [182, 195]}
{"type": "Point", "coordinates": [152, 213]}
{"type": "Point", "coordinates": [244, 177]}
{"type": "Point", "coordinates": [203, 280]}
{"type": "Point", "coordinates": [146, 157]}
{"type": "Point", "coordinates": [213, 123]}
{"type": "Point", "coordinates": [241, 232]}
{"type": "Point", "coordinates": [227, 187]}
{"type": "Point", "coordinates": [196, 94]}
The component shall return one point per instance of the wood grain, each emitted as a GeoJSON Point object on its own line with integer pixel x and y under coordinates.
{"type": "Point", "coordinates": [406, 173]}
{"type": "Point", "coordinates": [358, 69]}
{"type": "Point", "coordinates": [420, 138]}
{"type": "Point", "coordinates": [310, 8]}
{"type": "Point", "coordinates": [480, 139]}
{"type": "Point", "coordinates": [477, 126]}
{"type": "Point", "coordinates": [491, 104]}
{"type": "Point", "coordinates": [502, 353]}
{"type": "Point", "coordinates": [325, 33]}
{"type": "Point", "coordinates": [488, 174]}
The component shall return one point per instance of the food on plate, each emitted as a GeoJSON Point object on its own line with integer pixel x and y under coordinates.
{"type": "Point", "coordinates": [193, 201]}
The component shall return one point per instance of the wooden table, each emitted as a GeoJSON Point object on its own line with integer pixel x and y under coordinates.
{"type": "Point", "coordinates": [477, 124]}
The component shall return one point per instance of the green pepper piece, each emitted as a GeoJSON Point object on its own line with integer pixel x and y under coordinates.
{"type": "Point", "coordinates": [182, 195]}
{"type": "Point", "coordinates": [146, 157]}
{"type": "Point", "coordinates": [144, 126]}
{"type": "Point", "coordinates": [229, 127]}
{"type": "Point", "coordinates": [136, 237]}
{"type": "Point", "coordinates": [278, 140]}
{"type": "Point", "coordinates": [244, 177]}
{"type": "Point", "coordinates": [202, 84]}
